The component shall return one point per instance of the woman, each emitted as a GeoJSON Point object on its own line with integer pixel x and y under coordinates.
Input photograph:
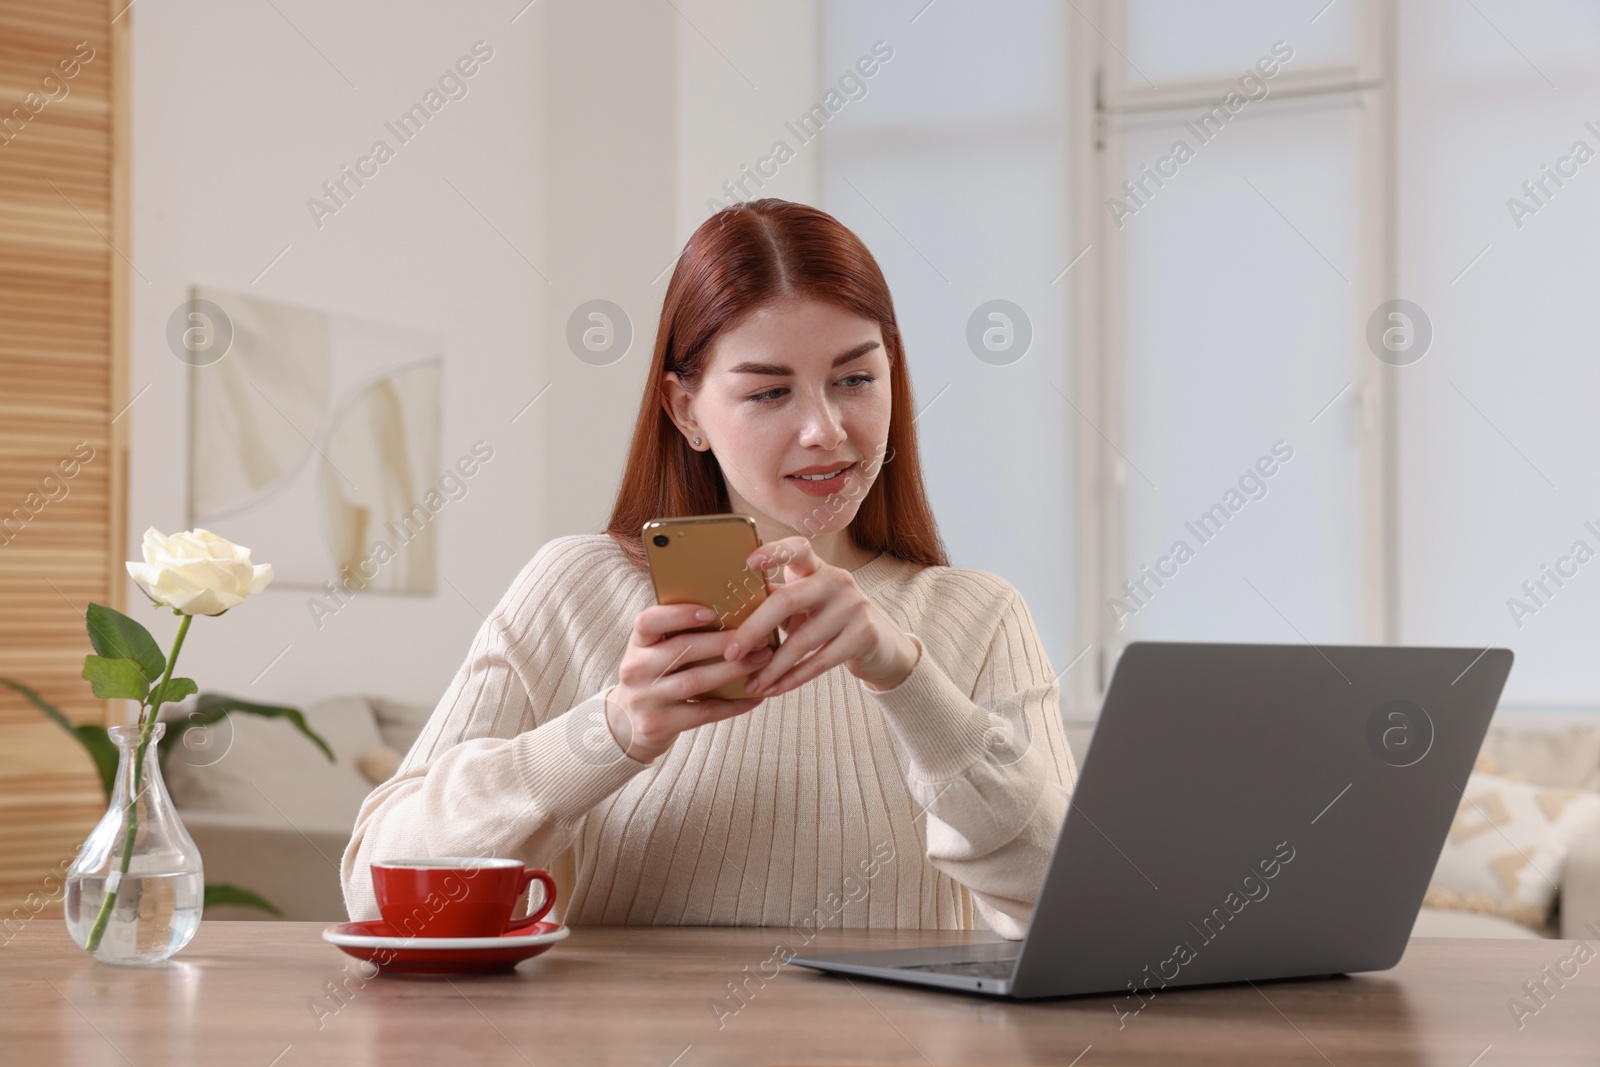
{"type": "Point", "coordinates": [903, 762]}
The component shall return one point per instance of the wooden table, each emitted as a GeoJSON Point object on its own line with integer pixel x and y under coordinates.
{"type": "Point", "coordinates": [257, 995]}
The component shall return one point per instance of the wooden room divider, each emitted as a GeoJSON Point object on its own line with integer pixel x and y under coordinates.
{"type": "Point", "coordinates": [64, 269]}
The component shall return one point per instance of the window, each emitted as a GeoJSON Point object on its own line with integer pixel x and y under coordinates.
{"type": "Point", "coordinates": [1229, 432]}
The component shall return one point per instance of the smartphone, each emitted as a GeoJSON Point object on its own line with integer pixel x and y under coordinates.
{"type": "Point", "coordinates": [700, 559]}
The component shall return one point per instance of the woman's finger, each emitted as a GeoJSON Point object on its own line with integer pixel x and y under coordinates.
{"type": "Point", "coordinates": [643, 665]}
{"type": "Point", "coordinates": [809, 653]}
{"type": "Point", "coordinates": [655, 623]}
{"type": "Point", "coordinates": [679, 685]}
{"type": "Point", "coordinates": [792, 557]}
{"type": "Point", "coordinates": [804, 636]}
{"type": "Point", "coordinates": [819, 662]}
{"type": "Point", "coordinates": [802, 595]}
{"type": "Point", "coordinates": [771, 613]}
{"type": "Point", "coordinates": [685, 648]}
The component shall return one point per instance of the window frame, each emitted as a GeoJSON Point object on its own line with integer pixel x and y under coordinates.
{"type": "Point", "coordinates": [1100, 99]}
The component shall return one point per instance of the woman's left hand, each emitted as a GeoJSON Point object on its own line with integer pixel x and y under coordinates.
{"type": "Point", "coordinates": [827, 620]}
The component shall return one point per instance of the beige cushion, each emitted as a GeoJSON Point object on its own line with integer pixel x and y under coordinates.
{"type": "Point", "coordinates": [377, 765]}
{"type": "Point", "coordinates": [267, 771]}
{"type": "Point", "coordinates": [1508, 847]}
{"type": "Point", "coordinates": [1440, 922]}
{"type": "Point", "coordinates": [400, 722]}
{"type": "Point", "coordinates": [1549, 750]}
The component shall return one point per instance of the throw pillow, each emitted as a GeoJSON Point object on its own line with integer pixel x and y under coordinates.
{"type": "Point", "coordinates": [266, 770]}
{"type": "Point", "coordinates": [1508, 848]}
{"type": "Point", "coordinates": [1545, 750]}
{"type": "Point", "coordinates": [400, 722]}
{"type": "Point", "coordinates": [377, 765]}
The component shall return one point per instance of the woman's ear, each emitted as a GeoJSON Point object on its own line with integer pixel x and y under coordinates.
{"type": "Point", "coordinates": [677, 403]}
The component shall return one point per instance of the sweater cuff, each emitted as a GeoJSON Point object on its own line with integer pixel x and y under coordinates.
{"type": "Point", "coordinates": [939, 726]}
{"type": "Point", "coordinates": [572, 762]}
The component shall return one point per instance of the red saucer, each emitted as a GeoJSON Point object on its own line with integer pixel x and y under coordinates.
{"type": "Point", "coordinates": [381, 945]}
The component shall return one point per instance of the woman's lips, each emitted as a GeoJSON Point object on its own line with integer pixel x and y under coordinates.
{"type": "Point", "coordinates": [821, 487]}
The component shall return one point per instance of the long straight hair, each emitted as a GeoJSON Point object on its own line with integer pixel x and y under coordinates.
{"type": "Point", "coordinates": [746, 257]}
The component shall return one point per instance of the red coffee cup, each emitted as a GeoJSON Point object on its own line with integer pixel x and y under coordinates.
{"type": "Point", "coordinates": [452, 896]}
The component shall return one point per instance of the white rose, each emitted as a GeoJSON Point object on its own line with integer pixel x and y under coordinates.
{"type": "Point", "coordinates": [197, 572]}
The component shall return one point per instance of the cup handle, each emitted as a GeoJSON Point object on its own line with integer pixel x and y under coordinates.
{"type": "Point", "coordinates": [529, 876]}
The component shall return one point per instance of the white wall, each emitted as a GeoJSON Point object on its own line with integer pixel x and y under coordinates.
{"type": "Point", "coordinates": [744, 70]}
{"type": "Point", "coordinates": [608, 208]}
{"type": "Point", "coordinates": [640, 133]}
{"type": "Point", "coordinates": [237, 121]}
{"type": "Point", "coordinates": [586, 143]}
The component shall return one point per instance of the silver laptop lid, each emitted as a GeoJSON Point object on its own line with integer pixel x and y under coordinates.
{"type": "Point", "coordinates": [1256, 812]}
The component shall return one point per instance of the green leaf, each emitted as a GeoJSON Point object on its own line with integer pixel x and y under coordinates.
{"type": "Point", "coordinates": [92, 736]}
{"type": "Point", "coordinates": [211, 707]}
{"type": "Point", "coordinates": [115, 636]}
{"type": "Point", "coordinates": [222, 893]}
{"type": "Point", "coordinates": [172, 691]}
{"type": "Point", "coordinates": [102, 750]}
{"type": "Point", "coordinates": [41, 703]}
{"type": "Point", "coordinates": [115, 679]}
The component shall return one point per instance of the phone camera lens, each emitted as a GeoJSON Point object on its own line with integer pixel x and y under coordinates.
{"type": "Point", "coordinates": [661, 540]}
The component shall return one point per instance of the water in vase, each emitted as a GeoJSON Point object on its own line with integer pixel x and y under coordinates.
{"type": "Point", "coordinates": [153, 917]}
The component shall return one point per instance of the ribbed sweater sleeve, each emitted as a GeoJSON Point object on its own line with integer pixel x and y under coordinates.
{"type": "Point", "coordinates": [990, 767]}
{"type": "Point", "coordinates": [505, 766]}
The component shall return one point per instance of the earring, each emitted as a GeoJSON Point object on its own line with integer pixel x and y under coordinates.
{"type": "Point", "coordinates": [697, 442]}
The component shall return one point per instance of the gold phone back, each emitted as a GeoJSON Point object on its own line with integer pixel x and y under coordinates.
{"type": "Point", "coordinates": [703, 562]}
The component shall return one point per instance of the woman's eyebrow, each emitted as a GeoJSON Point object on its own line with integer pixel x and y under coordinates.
{"type": "Point", "coordinates": [779, 370]}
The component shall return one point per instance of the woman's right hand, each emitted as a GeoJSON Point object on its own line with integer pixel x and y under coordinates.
{"type": "Point", "coordinates": [648, 707]}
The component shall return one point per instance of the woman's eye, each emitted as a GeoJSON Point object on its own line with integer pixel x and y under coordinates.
{"type": "Point", "coordinates": [775, 394]}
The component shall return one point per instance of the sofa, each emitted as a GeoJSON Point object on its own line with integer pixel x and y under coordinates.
{"type": "Point", "coordinates": [1556, 751]}
{"type": "Point", "coordinates": [1560, 754]}
{"type": "Point", "coordinates": [270, 813]}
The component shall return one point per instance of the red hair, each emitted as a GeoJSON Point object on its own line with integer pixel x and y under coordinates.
{"type": "Point", "coordinates": [743, 258]}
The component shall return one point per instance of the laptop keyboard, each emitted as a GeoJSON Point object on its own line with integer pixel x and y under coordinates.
{"type": "Point", "coordinates": [967, 968]}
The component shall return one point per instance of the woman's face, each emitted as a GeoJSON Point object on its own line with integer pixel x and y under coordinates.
{"type": "Point", "coordinates": [798, 388]}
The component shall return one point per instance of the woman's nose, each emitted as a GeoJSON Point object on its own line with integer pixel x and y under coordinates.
{"type": "Point", "coordinates": [823, 426]}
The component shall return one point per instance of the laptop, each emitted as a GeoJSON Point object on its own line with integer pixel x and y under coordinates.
{"type": "Point", "coordinates": [1244, 812]}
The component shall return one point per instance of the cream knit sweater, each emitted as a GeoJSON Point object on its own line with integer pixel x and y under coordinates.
{"type": "Point", "coordinates": [829, 805]}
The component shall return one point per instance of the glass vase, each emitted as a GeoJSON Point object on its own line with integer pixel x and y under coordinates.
{"type": "Point", "coordinates": [136, 890]}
